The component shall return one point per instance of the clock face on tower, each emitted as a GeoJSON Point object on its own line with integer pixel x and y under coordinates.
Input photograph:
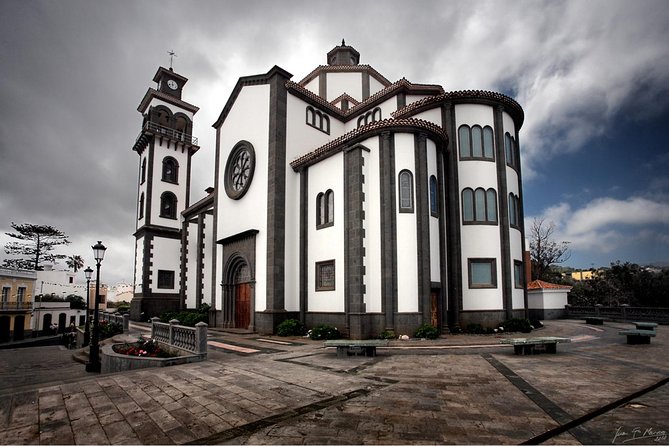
{"type": "Point", "coordinates": [239, 170]}
{"type": "Point", "coordinates": [172, 84]}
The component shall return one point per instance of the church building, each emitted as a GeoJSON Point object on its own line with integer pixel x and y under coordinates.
{"type": "Point", "coordinates": [342, 199]}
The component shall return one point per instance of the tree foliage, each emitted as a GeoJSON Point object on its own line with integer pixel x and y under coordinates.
{"type": "Point", "coordinates": [75, 263]}
{"type": "Point", "coordinates": [35, 246]}
{"type": "Point", "coordinates": [544, 251]}
{"type": "Point", "coordinates": [623, 284]}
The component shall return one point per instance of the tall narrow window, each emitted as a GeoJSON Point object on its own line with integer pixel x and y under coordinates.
{"type": "Point", "coordinates": [406, 191]}
{"type": "Point", "coordinates": [143, 175]}
{"type": "Point", "coordinates": [325, 209]}
{"type": "Point", "coordinates": [465, 143]}
{"type": "Point", "coordinates": [434, 197]}
{"type": "Point", "coordinates": [477, 142]}
{"type": "Point", "coordinates": [141, 206]}
{"type": "Point", "coordinates": [511, 151]}
{"type": "Point", "coordinates": [5, 294]}
{"type": "Point", "coordinates": [479, 206]}
{"type": "Point", "coordinates": [20, 296]}
{"type": "Point", "coordinates": [514, 211]}
{"type": "Point", "coordinates": [168, 205]}
{"type": "Point", "coordinates": [488, 151]}
{"type": "Point", "coordinates": [518, 276]}
{"type": "Point", "coordinates": [170, 170]}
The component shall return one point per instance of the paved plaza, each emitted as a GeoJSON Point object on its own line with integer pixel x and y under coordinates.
{"type": "Point", "coordinates": [460, 389]}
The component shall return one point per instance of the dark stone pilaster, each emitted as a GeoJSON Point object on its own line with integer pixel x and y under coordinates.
{"type": "Point", "coordinates": [525, 259]}
{"type": "Point", "coordinates": [323, 85]}
{"type": "Point", "coordinates": [503, 210]}
{"type": "Point", "coordinates": [388, 228]}
{"type": "Point", "coordinates": [443, 248]}
{"type": "Point", "coordinates": [365, 85]}
{"type": "Point", "coordinates": [276, 199]}
{"type": "Point", "coordinates": [199, 268]}
{"type": "Point", "coordinates": [422, 225]}
{"type": "Point", "coordinates": [453, 219]}
{"type": "Point", "coordinates": [354, 250]}
{"type": "Point", "coordinates": [304, 244]}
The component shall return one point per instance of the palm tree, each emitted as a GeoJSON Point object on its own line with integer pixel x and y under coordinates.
{"type": "Point", "coordinates": [75, 262]}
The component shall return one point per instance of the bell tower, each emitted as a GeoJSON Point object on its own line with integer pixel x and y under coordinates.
{"type": "Point", "coordinates": [165, 146]}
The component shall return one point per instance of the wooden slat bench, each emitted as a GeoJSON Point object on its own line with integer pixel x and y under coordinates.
{"type": "Point", "coordinates": [347, 347]}
{"type": "Point", "coordinates": [530, 346]}
{"type": "Point", "coordinates": [594, 320]}
{"type": "Point", "coordinates": [638, 336]}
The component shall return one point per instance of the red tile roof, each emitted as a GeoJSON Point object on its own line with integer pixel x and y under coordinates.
{"type": "Point", "coordinates": [540, 284]}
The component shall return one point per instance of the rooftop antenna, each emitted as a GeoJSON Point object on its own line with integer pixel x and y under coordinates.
{"type": "Point", "coordinates": [172, 56]}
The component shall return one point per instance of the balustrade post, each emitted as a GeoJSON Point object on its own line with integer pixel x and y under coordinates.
{"type": "Point", "coordinates": [126, 323]}
{"type": "Point", "coordinates": [201, 337]}
{"type": "Point", "coordinates": [154, 320]}
{"type": "Point", "coordinates": [173, 323]}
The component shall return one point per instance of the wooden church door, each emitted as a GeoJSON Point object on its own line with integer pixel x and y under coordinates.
{"type": "Point", "coordinates": [242, 297]}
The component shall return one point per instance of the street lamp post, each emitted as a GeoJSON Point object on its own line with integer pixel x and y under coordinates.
{"type": "Point", "coordinates": [93, 364]}
{"type": "Point", "coordinates": [87, 330]}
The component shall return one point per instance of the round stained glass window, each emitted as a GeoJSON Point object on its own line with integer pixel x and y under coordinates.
{"type": "Point", "coordinates": [239, 170]}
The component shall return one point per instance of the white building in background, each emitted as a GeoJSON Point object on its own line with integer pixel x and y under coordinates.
{"type": "Point", "coordinates": [343, 198]}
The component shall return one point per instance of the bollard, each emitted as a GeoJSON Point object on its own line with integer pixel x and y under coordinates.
{"type": "Point", "coordinates": [154, 320]}
{"type": "Point", "coordinates": [126, 323]}
{"type": "Point", "coordinates": [201, 337]}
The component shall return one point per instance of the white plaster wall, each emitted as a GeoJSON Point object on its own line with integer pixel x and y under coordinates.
{"type": "Point", "coordinates": [481, 241]}
{"type": "Point", "coordinates": [374, 85]}
{"type": "Point", "coordinates": [302, 138]}
{"type": "Point", "coordinates": [433, 115]}
{"type": "Point", "coordinates": [407, 248]}
{"type": "Point", "coordinates": [512, 178]}
{"type": "Point", "coordinates": [339, 83]}
{"type": "Point", "coordinates": [142, 188]}
{"type": "Point", "coordinates": [191, 264]}
{"type": "Point", "coordinates": [327, 243]}
{"type": "Point", "coordinates": [372, 226]}
{"type": "Point", "coordinates": [160, 186]}
{"type": "Point", "coordinates": [250, 212]}
{"type": "Point", "coordinates": [139, 263]}
{"type": "Point", "coordinates": [547, 299]}
{"type": "Point", "coordinates": [411, 98]}
{"type": "Point", "coordinates": [312, 85]}
{"type": "Point", "coordinates": [166, 256]}
{"type": "Point", "coordinates": [435, 273]}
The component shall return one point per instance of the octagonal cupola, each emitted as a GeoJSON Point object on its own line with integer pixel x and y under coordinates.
{"type": "Point", "coordinates": [343, 55]}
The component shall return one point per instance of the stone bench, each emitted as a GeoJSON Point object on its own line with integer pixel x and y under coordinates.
{"type": "Point", "coordinates": [347, 347]}
{"type": "Point", "coordinates": [638, 336]}
{"type": "Point", "coordinates": [531, 346]}
{"type": "Point", "coordinates": [594, 320]}
{"type": "Point", "coordinates": [645, 325]}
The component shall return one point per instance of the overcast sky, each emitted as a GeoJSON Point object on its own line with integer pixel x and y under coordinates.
{"type": "Point", "coordinates": [592, 77]}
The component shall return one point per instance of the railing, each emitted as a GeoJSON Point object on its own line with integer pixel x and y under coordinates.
{"type": "Point", "coordinates": [6, 306]}
{"type": "Point", "coordinates": [123, 319]}
{"type": "Point", "coordinates": [170, 133]}
{"type": "Point", "coordinates": [192, 339]}
{"type": "Point", "coordinates": [659, 315]}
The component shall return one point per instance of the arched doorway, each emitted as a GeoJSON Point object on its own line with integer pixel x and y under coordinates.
{"type": "Point", "coordinates": [238, 294]}
{"type": "Point", "coordinates": [241, 288]}
{"type": "Point", "coordinates": [62, 318]}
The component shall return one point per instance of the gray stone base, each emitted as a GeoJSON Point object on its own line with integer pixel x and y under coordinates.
{"type": "Point", "coordinates": [152, 306]}
{"type": "Point", "coordinates": [266, 322]}
{"type": "Point", "coordinates": [546, 314]}
{"type": "Point", "coordinates": [487, 318]}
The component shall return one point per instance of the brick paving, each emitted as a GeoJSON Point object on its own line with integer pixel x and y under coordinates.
{"type": "Point", "coordinates": [455, 390]}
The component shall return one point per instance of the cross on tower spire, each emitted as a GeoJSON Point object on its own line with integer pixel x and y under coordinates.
{"type": "Point", "coordinates": [172, 56]}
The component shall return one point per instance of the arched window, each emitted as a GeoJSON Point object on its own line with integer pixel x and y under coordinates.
{"type": "Point", "coordinates": [476, 142]}
{"type": "Point", "coordinates": [514, 211]}
{"type": "Point", "coordinates": [311, 116]}
{"type": "Point", "coordinates": [143, 174]}
{"type": "Point", "coordinates": [479, 206]}
{"type": "Point", "coordinates": [318, 120]}
{"type": "Point", "coordinates": [325, 209]}
{"type": "Point", "coordinates": [170, 170]}
{"type": "Point", "coordinates": [511, 151]}
{"type": "Point", "coordinates": [168, 205]}
{"type": "Point", "coordinates": [406, 191]}
{"type": "Point", "coordinates": [141, 206]}
{"type": "Point", "coordinates": [162, 116]}
{"type": "Point", "coordinates": [434, 197]}
{"type": "Point", "coordinates": [181, 127]}
{"type": "Point", "coordinates": [369, 117]}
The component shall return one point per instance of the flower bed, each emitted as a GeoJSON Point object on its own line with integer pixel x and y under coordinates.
{"type": "Point", "coordinates": [143, 354]}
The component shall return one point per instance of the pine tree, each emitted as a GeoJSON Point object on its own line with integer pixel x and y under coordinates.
{"type": "Point", "coordinates": [36, 246]}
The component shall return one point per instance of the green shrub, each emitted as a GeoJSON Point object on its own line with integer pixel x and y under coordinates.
{"type": "Point", "coordinates": [512, 325]}
{"type": "Point", "coordinates": [324, 332]}
{"type": "Point", "coordinates": [427, 331]}
{"type": "Point", "coordinates": [187, 318]}
{"type": "Point", "coordinates": [109, 329]}
{"type": "Point", "coordinates": [387, 334]}
{"type": "Point", "coordinates": [290, 327]}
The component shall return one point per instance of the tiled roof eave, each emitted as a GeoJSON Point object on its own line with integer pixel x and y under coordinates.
{"type": "Point", "coordinates": [344, 69]}
{"type": "Point", "coordinates": [152, 92]}
{"type": "Point", "coordinates": [464, 96]}
{"type": "Point", "coordinates": [367, 131]}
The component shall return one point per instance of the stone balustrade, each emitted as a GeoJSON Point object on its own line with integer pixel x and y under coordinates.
{"type": "Point", "coordinates": [191, 339]}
